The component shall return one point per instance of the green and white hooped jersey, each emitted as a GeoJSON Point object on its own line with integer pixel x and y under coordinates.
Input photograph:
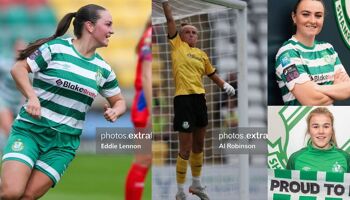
{"type": "Point", "coordinates": [66, 84]}
{"type": "Point", "coordinates": [297, 63]}
{"type": "Point", "coordinates": [313, 159]}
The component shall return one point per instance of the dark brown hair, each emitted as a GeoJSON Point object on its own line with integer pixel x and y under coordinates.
{"type": "Point", "coordinates": [299, 1]}
{"type": "Point", "coordinates": [85, 13]}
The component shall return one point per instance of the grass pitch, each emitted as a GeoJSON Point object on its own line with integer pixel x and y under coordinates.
{"type": "Point", "coordinates": [92, 177]}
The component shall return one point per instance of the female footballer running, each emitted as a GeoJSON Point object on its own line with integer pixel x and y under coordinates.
{"type": "Point", "coordinates": [190, 64]}
{"type": "Point", "coordinates": [68, 75]}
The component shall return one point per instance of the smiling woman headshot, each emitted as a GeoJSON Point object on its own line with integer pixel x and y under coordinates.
{"type": "Point", "coordinates": [321, 152]}
{"type": "Point", "coordinates": [309, 72]}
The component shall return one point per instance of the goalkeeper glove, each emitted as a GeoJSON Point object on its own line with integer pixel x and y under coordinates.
{"type": "Point", "coordinates": [229, 89]}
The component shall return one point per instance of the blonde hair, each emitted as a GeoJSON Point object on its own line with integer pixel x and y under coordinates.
{"type": "Point", "coordinates": [322, 111]}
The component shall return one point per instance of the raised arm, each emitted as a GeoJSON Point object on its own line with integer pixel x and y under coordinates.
{"type": "Point", "coordinates": [19, 73]}
{"type": "Point", "coordinates": [169, 18]}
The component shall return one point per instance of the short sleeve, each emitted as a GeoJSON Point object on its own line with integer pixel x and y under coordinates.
{"type": "Point", "coordinates": [290, 69]}
{"type": "Point", "coordinates": [111, 86]}
{"type": "Point", "coordinates": [175, 41]}
{"type": "Point", "coordinates": [209, 69]}
{"type": "Point", "coordinates": [40, 58]}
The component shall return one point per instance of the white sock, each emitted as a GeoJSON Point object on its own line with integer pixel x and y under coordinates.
{"type": "Point", "coordinates": [196, 181]}
{"type": "Point", "coordinates": [180, 188]}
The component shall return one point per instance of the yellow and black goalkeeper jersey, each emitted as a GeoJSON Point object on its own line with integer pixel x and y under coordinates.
{"type": "Point", "coordinates": [189, 66]}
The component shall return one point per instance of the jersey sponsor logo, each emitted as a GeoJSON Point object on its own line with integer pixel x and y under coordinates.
{"type": "Point", "coordinates": [75, 87]}
{"type": "Point", "coordinates": [193, 56]}
{"type": "Point", "coordinates": [185, 125]}
{"type": "Point", "coordinates": [342, 12]}
{"type": "Point", "coordinates": [17, 145]}
{"type": "Point", "coordinates": [291, 73]}
{"type": "Point", "coordinates": [321, 78]}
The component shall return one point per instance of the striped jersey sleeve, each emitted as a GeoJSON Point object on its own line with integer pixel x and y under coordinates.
{"type": "Point", "coordinates": [40, 58]}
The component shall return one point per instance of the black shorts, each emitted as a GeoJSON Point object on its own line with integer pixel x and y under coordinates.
{"type": "Point", "coordinates": [190, 112]}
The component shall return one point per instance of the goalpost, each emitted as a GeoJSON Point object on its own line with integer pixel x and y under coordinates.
{"type": "Point", "coordinates": [223, 36]}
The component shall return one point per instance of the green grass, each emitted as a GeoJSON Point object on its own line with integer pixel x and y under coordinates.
{"type": "Point", "coordinates": [91, 177]}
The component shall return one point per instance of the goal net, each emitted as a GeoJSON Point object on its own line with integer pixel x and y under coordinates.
{"type": "Point", "coordinates": [219, 35]}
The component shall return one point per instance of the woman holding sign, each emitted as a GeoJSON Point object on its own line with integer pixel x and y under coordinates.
{"type": "Point", "coordinates": [321, 153]}
{"type": "Point", "coordinates": [309, 72]}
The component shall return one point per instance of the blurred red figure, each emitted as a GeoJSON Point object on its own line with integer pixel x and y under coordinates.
{"type": "Point", "coordinates": [140, 113]}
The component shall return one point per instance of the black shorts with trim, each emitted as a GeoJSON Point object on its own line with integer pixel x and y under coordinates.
{"type": "Point", "coordinates": [190, 112]}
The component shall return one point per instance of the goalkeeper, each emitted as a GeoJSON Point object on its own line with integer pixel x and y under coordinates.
{"type": "Point", "coordinates": [190, 64]}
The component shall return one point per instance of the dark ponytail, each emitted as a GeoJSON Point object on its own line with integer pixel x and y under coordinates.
{"type": "Point", "coordinates": [85, 13]}
{"type": "Point", "coordinates": [61, 29]}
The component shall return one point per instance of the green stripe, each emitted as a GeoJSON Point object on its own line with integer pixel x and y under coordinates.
{"type": "Point", "coordinates": [59, 41]}
{"type": "Point", "coordinates": [284, 90]}
{"type": "Point", "coordinates": [316, 43]}
{"type": "Point", "coordinates": [63, 92]}
{"type": "Point", "coordinates": [111, 84]}
{"type": "Point", "coordinates": [281, 173]}
{"type": "Point", "coordinates": [325, 69]}
{"type": "Point", "coordinates": [307, 198]}
{"type": "Point", "coordinates": [69, 112]}
{"type": "Point", "coordinates": [330, 198]}
{"type": "Point", "coordinates": [334, 177]}
{"type": "Point", "coordinates": [42, 64]}
{"type": "Point", "coordinates": [57, 73]}
{"type": "Point", "coordinates": [294, 102]}
{"type": "Point", "coordinates": [45, 122]}
{"type": "Point", "coordinates": [308, 175]}
{"type": "Point", "coordinates": [281, 197]}
{"type": "Point", "coordinates": [79, 62]}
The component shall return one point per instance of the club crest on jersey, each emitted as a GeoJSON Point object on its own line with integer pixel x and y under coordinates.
{"type": "Point", "coordinates": [17, 145]}
{"type": "Point", "coordinates": [328, 58]}
{"type": "Point", "coordinates": [185, 125]}
{"type": "Point", "coordinates": [342, 12]}
{"type": "Point", "coordinates": [337, 168]}
{"type": "Point", "coordinates": [98, 77]}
